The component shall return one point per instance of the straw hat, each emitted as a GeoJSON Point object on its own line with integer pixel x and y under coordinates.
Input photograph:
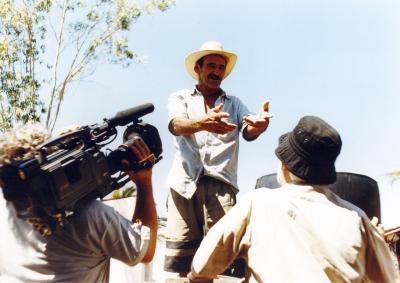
{"type": "Point", "coordinates": [209, 47]}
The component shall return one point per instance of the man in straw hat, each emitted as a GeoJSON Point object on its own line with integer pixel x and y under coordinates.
{"type": "Point", "coordinates": [203, 179]}
{"type": "Point", "coordinates": [301, 232]}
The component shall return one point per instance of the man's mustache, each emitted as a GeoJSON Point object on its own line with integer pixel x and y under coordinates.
{"type": "Point", "coordinates": [214, 77]}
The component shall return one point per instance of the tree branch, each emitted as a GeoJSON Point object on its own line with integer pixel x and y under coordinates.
{"type": "Point", "coordinates": [56, 61]}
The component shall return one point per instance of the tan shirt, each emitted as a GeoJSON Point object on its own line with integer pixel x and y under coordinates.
{"type": "Point", "coordinates": [297, 234]}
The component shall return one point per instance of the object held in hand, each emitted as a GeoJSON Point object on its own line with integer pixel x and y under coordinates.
{"type": "Point", "coordinates": [392, 234]}
{"type": "Point", "coordinates": [149, 159]}
{"type": "Point", "coordinates": [67, 171]}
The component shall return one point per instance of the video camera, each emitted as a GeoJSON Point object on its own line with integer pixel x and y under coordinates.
{"type": "Point", "coordinates": [72, 169]}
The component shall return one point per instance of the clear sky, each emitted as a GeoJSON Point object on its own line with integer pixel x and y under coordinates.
{"type": "Point", "coordinates": [339, 60]}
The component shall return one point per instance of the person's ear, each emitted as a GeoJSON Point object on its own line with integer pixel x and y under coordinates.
{"type": "Point", "coordinates": [285, 173]}
{"type": "Point", "coordinates": [280, 174]}
{"type": "Point", "coordinates": [197, 68]}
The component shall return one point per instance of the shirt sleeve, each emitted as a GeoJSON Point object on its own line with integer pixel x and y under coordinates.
{"type": "Point", "coordinates": [127, 242]}
{"type": "Point", "coordinates": [177, 106]}
{"type": "Point", "coordinates": [224, 242]}
{"type": "Point", "coordinates": [379, 264]}
{"type": "Point", "coordinates": [242, 111]}
{"type": "Point", "coordinates": [116, 236]}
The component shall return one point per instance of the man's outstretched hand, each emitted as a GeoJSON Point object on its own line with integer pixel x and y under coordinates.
{"type": "Point", "coordinates": [214, 121]}
{"type": "Point", "coordinates": [261, 121]}
{"type": "Point", "coordinates": [257, 124]}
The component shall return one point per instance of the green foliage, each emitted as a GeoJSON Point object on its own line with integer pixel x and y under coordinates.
{"type": "Point", "coordinates": [43, 5]}
{"type": "Point", "coordinates": [124, 193]}
{"type": "Point", "coordinates": [394, 174]}
{"type": "Point", "coordinates": [20, 30]}
{"type": "Point", "coordinates": [46, 45]}
{"type": "Point", "coordinates": [393, 177]}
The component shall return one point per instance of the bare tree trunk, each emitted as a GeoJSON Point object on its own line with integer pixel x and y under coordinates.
{"type": "Point", "coordinates": [69, 78]}
{"type": "Point", "coordinates": [55, 65]}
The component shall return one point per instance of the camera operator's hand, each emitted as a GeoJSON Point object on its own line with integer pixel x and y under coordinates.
{"type": "Point", "coordinates": [143, 154]}
{"type": "Point", "coordinates": [145, 209]}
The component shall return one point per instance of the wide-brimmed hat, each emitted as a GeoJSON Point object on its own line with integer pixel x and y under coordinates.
{"type": "Point", "coordinates": [310, 150]}
{"type": "Point", "coordinates": [210, 47]}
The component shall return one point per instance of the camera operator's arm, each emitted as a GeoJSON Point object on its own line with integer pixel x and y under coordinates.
{"type": "Point", "coordinates": [145, 209]}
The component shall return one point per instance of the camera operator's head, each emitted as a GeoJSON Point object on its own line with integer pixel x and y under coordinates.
{"type": "Point", "coordinates": [20, 142]}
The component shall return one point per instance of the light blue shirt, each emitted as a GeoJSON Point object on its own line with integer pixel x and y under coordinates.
{"type": "Point", "coordinates": [203, 152]}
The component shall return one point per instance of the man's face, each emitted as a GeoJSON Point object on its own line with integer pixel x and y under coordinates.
{"type": "Point", "coordinates": [211, 71]}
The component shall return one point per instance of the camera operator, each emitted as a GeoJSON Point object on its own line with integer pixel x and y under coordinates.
{"type": "Point", "coordinates": [80, 251]}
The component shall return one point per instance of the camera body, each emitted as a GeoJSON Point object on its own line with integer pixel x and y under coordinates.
{"type": "Point", "coordinates": [72, 169]}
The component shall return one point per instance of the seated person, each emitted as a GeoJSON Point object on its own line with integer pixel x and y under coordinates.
{"type": "Point", "coordinates": [301, 232]}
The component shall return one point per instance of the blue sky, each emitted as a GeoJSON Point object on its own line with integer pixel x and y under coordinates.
{"type": "Point", "coordinates": [339, 60]}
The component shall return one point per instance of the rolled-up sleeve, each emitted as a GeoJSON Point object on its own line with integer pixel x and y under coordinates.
{"type": "Point", "coordinates": [125, 241]}
{"type": "Point", "coordinates": [177, 106]}
{"type": "Point", "coordinates": [130, 246]}
{"type": "Point", "coordinates": [113, 235]}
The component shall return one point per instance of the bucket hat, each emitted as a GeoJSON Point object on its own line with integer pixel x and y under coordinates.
{"type": "Point", "coordinates": [210, 47]}
{"type": "Point", "coordinates": [310, 150]}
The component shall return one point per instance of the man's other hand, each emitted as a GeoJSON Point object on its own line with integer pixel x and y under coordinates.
{"type": "Point", "coordinates": [260, 121]}
{"type": "Point", "coordinates": [214, 121]}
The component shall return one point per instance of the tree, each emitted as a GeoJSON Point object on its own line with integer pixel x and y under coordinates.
{"type": "Point", "coordinates": [394, 176]}
{"type": "Point", "coordinates": [46, 45]}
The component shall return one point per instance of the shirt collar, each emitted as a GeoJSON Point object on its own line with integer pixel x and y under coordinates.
{"type": "Point", "coordinates": [223, 95]}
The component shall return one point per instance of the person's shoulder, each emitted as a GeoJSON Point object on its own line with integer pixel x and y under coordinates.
{"type": "Point", "coordinates": [93, 205]}
{"type": "Point", "coordinates": [273, 197]}
{"type": "Point", "coordinates": [261, 191]}
{"type": "Point", "coordinates": [182, 93]}
{"type": "Point", "coordinates": [262, 195]}
{"type": "Point", "coordinates": [348, 205]}
{"type": "Point", "coordinates": [96, 210]}
{"type": "Point", "coordinates": [270, 191]}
